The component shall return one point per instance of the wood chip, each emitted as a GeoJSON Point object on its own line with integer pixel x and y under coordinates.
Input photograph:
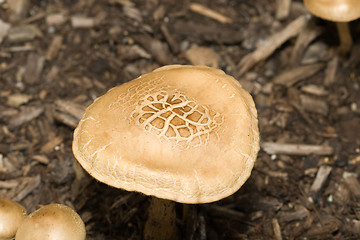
{"type": "Point", "coordinates": [4, 28]}
{"type": "Point", "coordinates": [26, 115]}
{"type": "Point", "coordinates": [71, 108]}
{"type": "Point", "coordinates": [201, 9]}
{"type": "Point", "coordinates": [159, 13]}
{"type": "Point", "coordinates": [293, 76]}
{"type": "Point", "coordinates": [302, 42]}
{"type": "Point", "coordinates": [41, 159]}
{"type": "Point", "coordinates": [224, 212]}
{"type": "Point", "coordinates": [54, 48]}
{"type": "Point", "coordinates": [49, 146]}
{"type": "Point", "coordinates": [82, 22]}
{"type": "Point", "coordinates": [55, 19]}
{"type": "Point", "coordinates": [323, 231]}
{"type": "Point", "coordinates": [20, 146]}
{"type": "Point", "coordinates": [30, 184]}
{"type": "Point", "coordinates": [52, 74]}
{"type": "Point", "coordinates": [296, 149]}
{"type": "Point", "coordinates": [174, 46]}
{"type": "Point", "coordinates": [353, 184]}
{"type": "Point", "coordinates": [282, 9]}
{"type": "Point", "coordinates": [158, 49]}
{"type": "Point", "coordinates": [121, 201]}
{"type": "Point", "coordinates": [132, 52]}
{"type": "Point", "coordinates": [276, 229]}
{"type": "Point", "coordinates": [18, 9]}
{"type": "Point", "coordinates": [66, 119]}
{"type": "Point", "coordinates": [38, 16]}
{"type": "Point", "coordinates": [319, 181]}
{"type": "Point", "coordinates": [355, 160]}
{"type": "Point", "coordinates": [25, 48]}
{"type": "Point", "coordinates": [299, 214]}
{"type": "Point", "coordinates": [330, 71]}
{"type": "Point", "coordinates": [353, 226]}
{"type": "Point", "coordinates": [15, 100]}
{"type": "Point", "coordinates": [133, 13]}
{"type": "Point", "coordinates": [9, 184]}
{"type": "Point", "coordinates": [127, 3]}
{"type": "Point", "coordinates": [271, 44]}
{"type": "Point", "coordinates": [276, 174]}
{"type": "Point", "coordinates": [267, 204]}
{"type": "Point", "coordinates": [315, 53]}
{"type": "Point", "coordinates": [202, 56]}
{"type": "Point", "coordinates": [313, 105]}
{"type": "Point", "coordinates": [315, 90]}
{"type": "Point", "coordinates": [23, 33]}
{"type": "Point", "coordinates": [342, 193]}
{"type": "Point", "coordinates": [34, 67]}
{"type": "Point", "coordinates": [201, 33]}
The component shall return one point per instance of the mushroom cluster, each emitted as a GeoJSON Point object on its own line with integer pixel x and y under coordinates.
{"type": "Point", "coordinates": [183, 133]}
{"type": "Point", "coordinates": [50, 222]}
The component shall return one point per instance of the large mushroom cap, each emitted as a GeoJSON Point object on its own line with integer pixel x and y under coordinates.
{"type": "Point", "coordinates": [183, 133]}
{"type": "Point", "coordinates": [11, 216]}
{"type": "Point", "coordinates": [52, 222]}
{"type": "Point", "coordinates": [334, 10]}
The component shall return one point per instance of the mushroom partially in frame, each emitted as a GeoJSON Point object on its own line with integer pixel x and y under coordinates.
{"type": "Point", "coordinates": [52, 222]}
{"type": "Point", "coordinates": [12, 215]}
{"type": "Point", "coordinates": [339, 11]}
{"type": "Point", "coordinates": [187, 134]}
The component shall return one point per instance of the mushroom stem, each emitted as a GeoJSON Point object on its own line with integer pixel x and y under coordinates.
{"type": "Point", "coordinates": [345, 37]}
{"type": "Point", "coordinates": [161, 221]}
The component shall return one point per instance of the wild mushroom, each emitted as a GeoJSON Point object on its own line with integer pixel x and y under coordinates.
{"type": "Point", "coordinates": [339, 11]}
{"type": "Point", "coordinates": [183, 133]}
{"type": "Point", "coordinates": [52, 222]}
{"type": "Point", "coordinates": [11, 216]}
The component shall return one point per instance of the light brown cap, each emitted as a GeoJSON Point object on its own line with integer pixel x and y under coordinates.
{"type": "Point", "coordinates": [52, 222]}
{"type": "Point", "coordinates": [11, 216]}
{"type": "Point", "coordinates": [183, 133]}
{"type": "Point", "coordinates": [334, 10]}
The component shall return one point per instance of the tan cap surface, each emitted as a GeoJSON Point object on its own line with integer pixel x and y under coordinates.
{"type": "Point", "coordinates": [334, 10]}
{"type": "Point", "coordinates": [183, 133]}
{"type": "Point", "coordinates": [11, 216]}
{"type": "Point", "coordinates": [52, 222]}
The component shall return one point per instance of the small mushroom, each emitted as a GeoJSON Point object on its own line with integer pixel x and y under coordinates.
{"type": "Point", "coordinates": [52, 222]}
{"type": "Point", "coordinates": [11, 216]}
{"type": "Point", "coordinates": [183, 133]}
{"type": "Point", "coordinates": [339, 11]}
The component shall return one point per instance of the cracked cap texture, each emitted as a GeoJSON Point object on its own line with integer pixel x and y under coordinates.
{"type": "Point", "coordinates": [183, 133]}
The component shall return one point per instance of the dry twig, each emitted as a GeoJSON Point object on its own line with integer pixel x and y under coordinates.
{"type": "Point", "coordinates": [271, 44]}
{"type": "Point", "coordinates": [198, 8]}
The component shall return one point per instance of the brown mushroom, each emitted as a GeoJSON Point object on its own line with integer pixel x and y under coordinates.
{"type": "Point", "coordinates": [11, 216]}
{"type": "Point", "coordinates": [52, 222]}
{"type": "Point", "coordinates": [183, 133]}
{"type": "Point", "coordinates": [339, 11]}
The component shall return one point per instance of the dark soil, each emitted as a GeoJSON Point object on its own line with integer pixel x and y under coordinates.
{"type": "Point", "coordinates": [56, 57]}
